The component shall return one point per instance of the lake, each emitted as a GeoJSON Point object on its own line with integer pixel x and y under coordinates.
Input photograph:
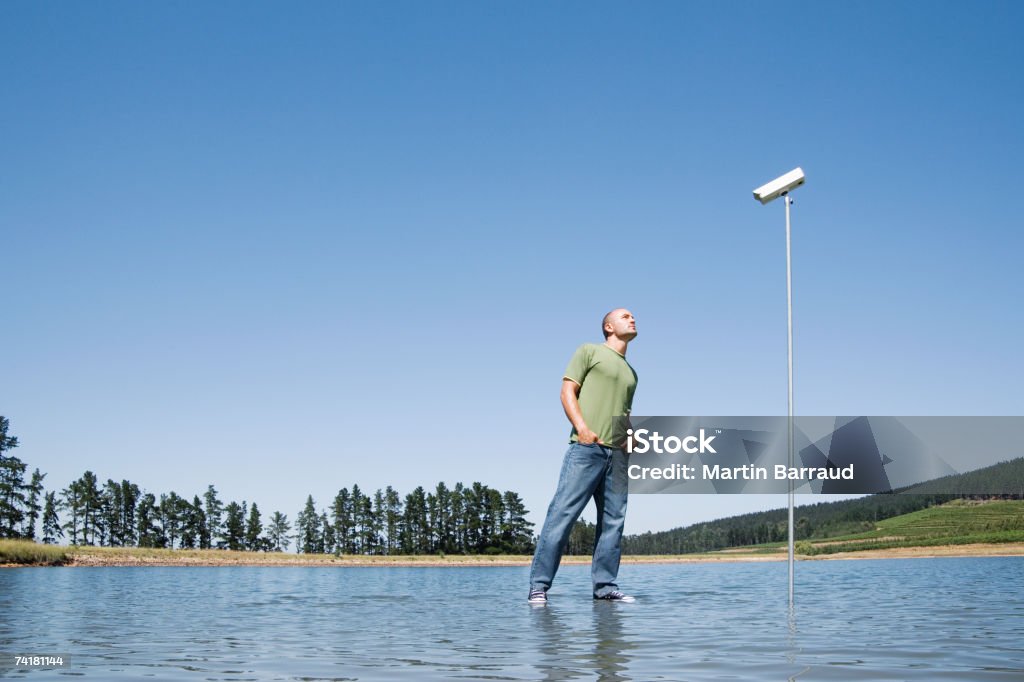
{"type": "Point", "coordinates": [911, 619]}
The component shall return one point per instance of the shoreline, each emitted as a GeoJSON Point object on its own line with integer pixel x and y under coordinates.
{"type": "Point", "coordinates": [112, 557]}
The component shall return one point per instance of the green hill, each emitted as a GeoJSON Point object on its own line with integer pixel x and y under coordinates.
{"type": "Point", "coordinates": [860, 520]}
{"type": "Point", "coordinates": [959, 522]}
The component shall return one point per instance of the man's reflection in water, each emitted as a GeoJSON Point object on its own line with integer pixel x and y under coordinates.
{"type": "Point", "coordinates": [571, 648]}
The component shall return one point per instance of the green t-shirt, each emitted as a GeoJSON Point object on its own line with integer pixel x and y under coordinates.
{"type": "Point", "coordinates": [607, 383]}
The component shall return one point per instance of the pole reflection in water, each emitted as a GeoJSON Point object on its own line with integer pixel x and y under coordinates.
{"type": "Point", "coordinates": [793, 649]}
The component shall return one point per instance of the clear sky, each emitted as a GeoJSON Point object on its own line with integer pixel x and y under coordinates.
{"type": "Point", "coordinates": [285, 248]}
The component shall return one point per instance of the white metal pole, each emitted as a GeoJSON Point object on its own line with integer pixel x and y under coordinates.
{"type": "Point", "coordinates": [789, 302]}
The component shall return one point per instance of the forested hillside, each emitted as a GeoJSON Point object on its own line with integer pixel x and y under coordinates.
{"type": "Point", "coordinates": [821, 520]}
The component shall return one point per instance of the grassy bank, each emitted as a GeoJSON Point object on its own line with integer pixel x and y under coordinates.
{"type": "Point", "coordinates": [26, 552]}
{"type": "Point", "coordinates": [36, 555]}
{"type": "Point", "coordinates": [21, 552]}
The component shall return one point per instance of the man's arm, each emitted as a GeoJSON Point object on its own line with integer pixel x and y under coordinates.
{"type": "Point", "coordinates": [571, 405]}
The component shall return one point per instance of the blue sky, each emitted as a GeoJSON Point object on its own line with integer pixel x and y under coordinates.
{"type": "Point", "coordinates": [287, 249]}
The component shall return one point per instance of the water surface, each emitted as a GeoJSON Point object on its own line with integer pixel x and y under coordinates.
{"type": "Point", "coordinates": [914, 619]}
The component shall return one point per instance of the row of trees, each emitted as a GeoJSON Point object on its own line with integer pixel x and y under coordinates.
{"type": "Point", "coordinates": [463, 519]}
{"type": "Point", "coordinates": [122, 515]}
{"type": "Point", "coordinates": [472, 519]}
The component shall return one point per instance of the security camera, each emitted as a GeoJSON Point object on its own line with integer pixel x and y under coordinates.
{"type": "Point", "coordinates": [780, 186]}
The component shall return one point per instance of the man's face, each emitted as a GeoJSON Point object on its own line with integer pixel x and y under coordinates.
{"type": "Point", "coordinates": [622, 324]}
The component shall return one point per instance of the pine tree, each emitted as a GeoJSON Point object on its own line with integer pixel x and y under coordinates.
{"type": "Point", "coordinates": [307, 527]}
{"type": "Point", "coordinates": [278, 532]}
{"type": "Point", "coordinates": [12, 485]}
{"type": "Point", "coordinates": [357, 507]}
{"type": "Point", "coordinates": [160, 522]}
{"type": "Point", "coordinates": [111, 511]}
{"type": "Point", "coordinates": [369, 519]}
{"type": "Point", "coordinates": [434, 537]}
{"type": "Point", "coordinates": [341, 511]}
{"type": "Point", "coordinates": [416, 528]}
{"type": "Point", "coordinates": [253, 530]}
{"type": "Point", "coordinates": [6, 442]}
{"type": "Point", "coordinates": [71, 501]}
{"type": "Point", "coordinates": [51, 524]}
{"type": "Point", "coordinates": [474, 513]}
{"type": "Point", "coordinates": [494, 512]}
{"type": "Point", "coordinates": [234, 526]}
{"type": "Point", "coordinates": [458, 520]}
{"type": "Point", "coordinates": [33, 506]}
{"type": "Point", "coordinates": [377, 522]}
{"type": "Point", "coordinates": [392, 519]}
{"type": "Point", "coordinates": [214, 513]}
{"type": "Point", "coordinates": [516, 532]}
{"type": "Point", "coordinates": [327, 539]}
{"type": "Point", "coordinates": [89, 504]}
{"type": "Point", "coordinates": [188, 533]}
{"type": "Point", "coordinates": [195, 525]}
{"type": "Point", "coordinates": [130, 494]}
{"type": "Point", "coordinates": [170, 512]}
{"type": "Point", "coordinates": [442, 521]}
{"type": "Point", "coordinates": [148, 533]}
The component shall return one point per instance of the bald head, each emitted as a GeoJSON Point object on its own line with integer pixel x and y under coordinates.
{"type": "Point", "coordinates": [619, 323]}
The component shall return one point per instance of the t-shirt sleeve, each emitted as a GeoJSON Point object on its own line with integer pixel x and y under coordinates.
{"type": "Point", "coordinates": [579, 365]}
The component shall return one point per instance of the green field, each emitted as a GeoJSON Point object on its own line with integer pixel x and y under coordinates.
{"type": "Point", "coordinates": [956, 523]}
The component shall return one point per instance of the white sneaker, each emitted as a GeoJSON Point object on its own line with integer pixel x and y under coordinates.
{"type": "Point", "coordinates": [616, 596]}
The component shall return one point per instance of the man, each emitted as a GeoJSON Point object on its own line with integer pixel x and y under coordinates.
{"type": "Point", "coordinates": [597, 392]}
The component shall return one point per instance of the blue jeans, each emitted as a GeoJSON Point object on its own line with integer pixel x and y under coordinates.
{"type": "Point", "coordinates": [588, 471]}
